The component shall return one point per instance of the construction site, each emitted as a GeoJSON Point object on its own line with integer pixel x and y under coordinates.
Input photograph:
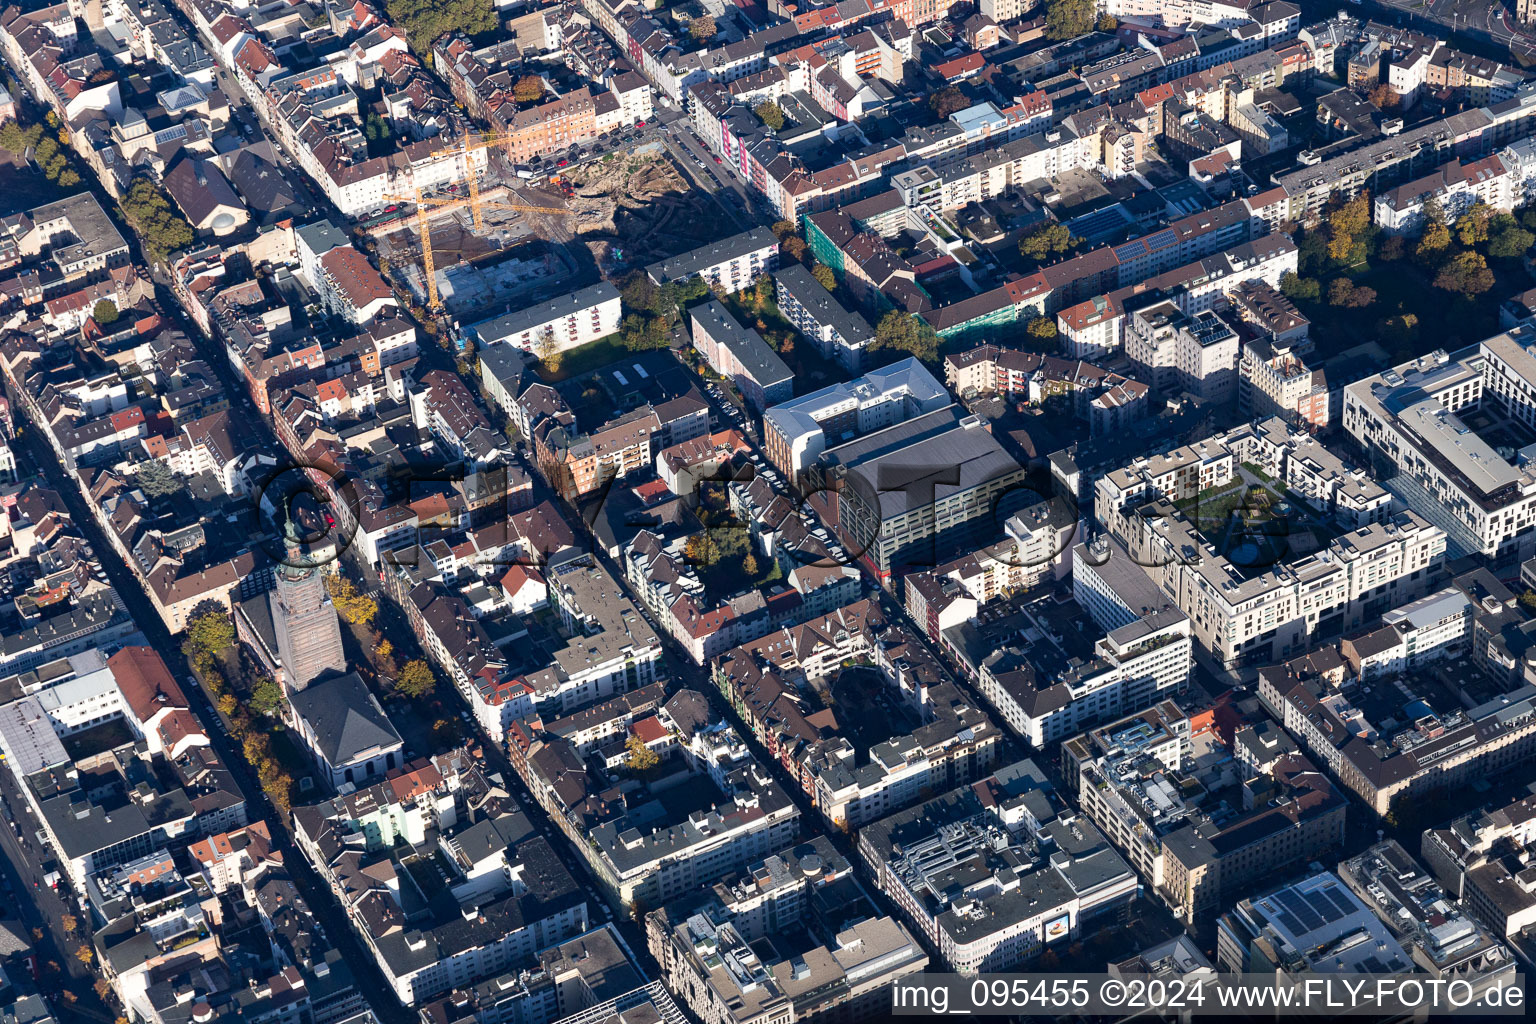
{"type": "Point", "coordinates": [529, 241]}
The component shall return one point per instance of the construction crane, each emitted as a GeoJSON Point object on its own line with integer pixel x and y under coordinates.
{"type": "Point", "coordinates": [424, 205]}
{"type": "Point", "coordinates": [467, 145]}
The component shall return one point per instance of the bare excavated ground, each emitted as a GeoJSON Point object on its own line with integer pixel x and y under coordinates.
{"type": "Point", "coordinates": [635, 210]}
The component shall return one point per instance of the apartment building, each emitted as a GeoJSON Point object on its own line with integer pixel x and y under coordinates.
{"type": "Point", "coordinates": [741, 355]}
{"type": "Point", "coordinates": [1411, 418]}
{"type": "Point", "coordinates": [555, 326]}
{"type": "Point", "coordinates": [1481, 860]}
{"type": "Point", "coordinates": [914, 492]}
{"type": "Point", "coordinates": [1146, 782]}
{"type": "Point", "coordinates": [1131, 667]}
{"type": "Point", "coordinates": [839, 334]}
{"type": "Point", "coordinates": [730, 264]}
{"type": "Point", "coordinates": [1038, 875]}
{"type": "Point", "coordinates": [797, 432]}
{"type": "Point", "coordinates": [1274, 381]}
{"type": "Point", "coordinates": [1176, 353]}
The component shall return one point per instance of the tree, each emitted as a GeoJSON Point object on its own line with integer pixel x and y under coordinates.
{"type": "Point", "coordinates": [528, 89]}
{"type": "Point", "coordinates": [358, 609]}
{"type": "Point", "coordinates": [1342, 292]}
{"type": "Point", "coordinates": [103, 988]}
{"type": "Point", "coordinates": [749, 565]}
{"type": "Point", "coordinates": [1045, 242]}
{"type": "Point", "coordinates": [1107, 23]}
{"type": "Point", "coordinates": [701, 549]}
{"type": "Point", "coordinates": [824, 276]}
{"type": "Point", "coordinates": [266, 697]}
{"type": "Point", "coordinates": [445, 732]}
{"type": "Point", "coordinates": [1434, 241]}
{"type": "Point", "coordinates": [795, 248]}
{"type": "Point", "coordinates": [210, 632]}
{"type": "Point", "coordinates": [416, 679]}
{"type": "Point", "coordinates": [1068, 19]}
{"type": "Point", "coordinates": [769, 113]}
{"type": "Point", "coordinates": [1467, 273]}
{"type": "Point", "coordinates": [156, 480]}
{"type": "Point", "coordinates": [86, 955]}
{"type": "Point", "coordinates": [1393, 248]}
{"type": "Point", "coordinates": [384, 649]}
{"type": "Point", "coordinates": [947, 101]}
{"type": "Point", "coordinates": [1299, 289]}
{"type": "Point", "coordinates": [1041, 328]}
{"type": "Point", "coordinates": [161, 229]}
{"type": "Point", "coordinates": [1511, 243]}
{"type": "Point", "coordinates": [1385, 97]}
{"type": "Point", "coordinates": [702, 29]}
{"type": "Point", "coordinates": [782, 229]}
{"type": "Point", "coordinates": [69, 923]}
{"type": "Point", "coordinates": [227, 705]}
{"type": "Point", "coordinates": [426, 21]}
{"type": "Point", "coordinates": [1352, 218]}
{"type": "Point", "coordinates": [641, 758]}
{"type": "Point", "coordinates": [104, 312]}
{"type": "Point", "coordinates": [1472, 226]}
{"type": "Point", "coordinates": [904, 332]}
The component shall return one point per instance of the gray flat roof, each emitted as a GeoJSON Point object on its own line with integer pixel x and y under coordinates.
{"type": "Point", "coordinates": [685, 265]}
{"type": "Point", "coordinates": [1459, 445]}
{"type": "Point", "coordinates": [498, 328]}
{"type": "Point", "coordinates": [755, 355]}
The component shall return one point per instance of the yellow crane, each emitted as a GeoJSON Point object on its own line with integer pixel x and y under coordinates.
{"type": "Point", "coordinates": [424, 205]}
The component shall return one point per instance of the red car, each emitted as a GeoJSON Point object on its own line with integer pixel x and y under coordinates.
{"type": "Point", "coordinates": [717, 160]}
{"type": "Point", "coordinates": [391, 209]}
{"type": "Point", "coordinates": [639, 124]}
{"type": "Point", "coordinates": [563, 162]}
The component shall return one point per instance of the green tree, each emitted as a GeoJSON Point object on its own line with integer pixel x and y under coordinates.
{"type": "Point", "coordinates": [1068, 19]}
{"type": "Point", "coordinates": [769, 113]}
{"type": "Point", "coordinates": [947, 101]}
{"type": "Point", "coordinates": [104, 312]}
{"type": "Point", "coordinates": [161, 229]}
{"type": "Point", "coordinates": [210, 632]}
{"type": "Point", "coordinates": [1511, 243]}
{"type": "Point", "coordinates": [156, 480]}
{"type": "Point", "coordinates": [641, 758]}
{"type": "Point", "coordinates": [1107, 23]}
{"type": "Point", "coordinates": [1467, 273]}
{"type": "Point", "coordinates": [426, 21]}
{"type": "Point", "coordinates": [1300, 289]}
{"type": "Point", "coordinates": [266, 697]}
{"type": "Point", "coordinates": [416, 679]}
{"type": "Point", "coordinates": [903, 332]}
{"type": "Point", "coordinates": [824, 276]}
{"type": "Point", "coordinates": [702, 29]}
{"type": "Point", "coordinates": [1045, 242]}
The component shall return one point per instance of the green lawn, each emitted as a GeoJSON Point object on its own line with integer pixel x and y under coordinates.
{"type": "Point", "coordinates": [585, 358]}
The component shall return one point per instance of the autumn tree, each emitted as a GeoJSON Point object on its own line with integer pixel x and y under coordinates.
{"type": "Point", "coordinates": [416, 679]}
{"type": "Point", "coordinates": [86, 955]}
{"type": "Point", "coordinates": [749, 565]}
{"type": "Point", "coordinates": [701, 549]}
{"type": "Point", "coordinates": [1472, 226]}
{"type": "Point", "coordinates": [1385, 97]}
{"type": "Point", "coordinates": [69, 923]}
{"type": "Point", "coordinates": [795, 248]}
{"type": "Point", "coordinates": [1343, 292]}
{"type": "Point", "coordinates": [1041, 328]}
{"type": "Point", "coordinates": [824, 276]}
{"type": "Point", "coordinates": [1466, 273]}
{"type": "Point", "coordinates": [1433, 243]}
{"type": "Point", "coordinates": [528, 89]}
{"type": "Point", "coordinates": [358, 609]}
{"type": "Point", "coordinates": [641, 758]}
{"type": "Point", "coordinates": [947, 101]}
{"type": "Point", "coordinates": [782, 229]}
{"type": "Point", "coordinates": [702, 29]}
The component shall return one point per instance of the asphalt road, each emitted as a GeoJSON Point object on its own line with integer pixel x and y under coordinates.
{"type": "Point", "coordinates": [1489, 26]}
